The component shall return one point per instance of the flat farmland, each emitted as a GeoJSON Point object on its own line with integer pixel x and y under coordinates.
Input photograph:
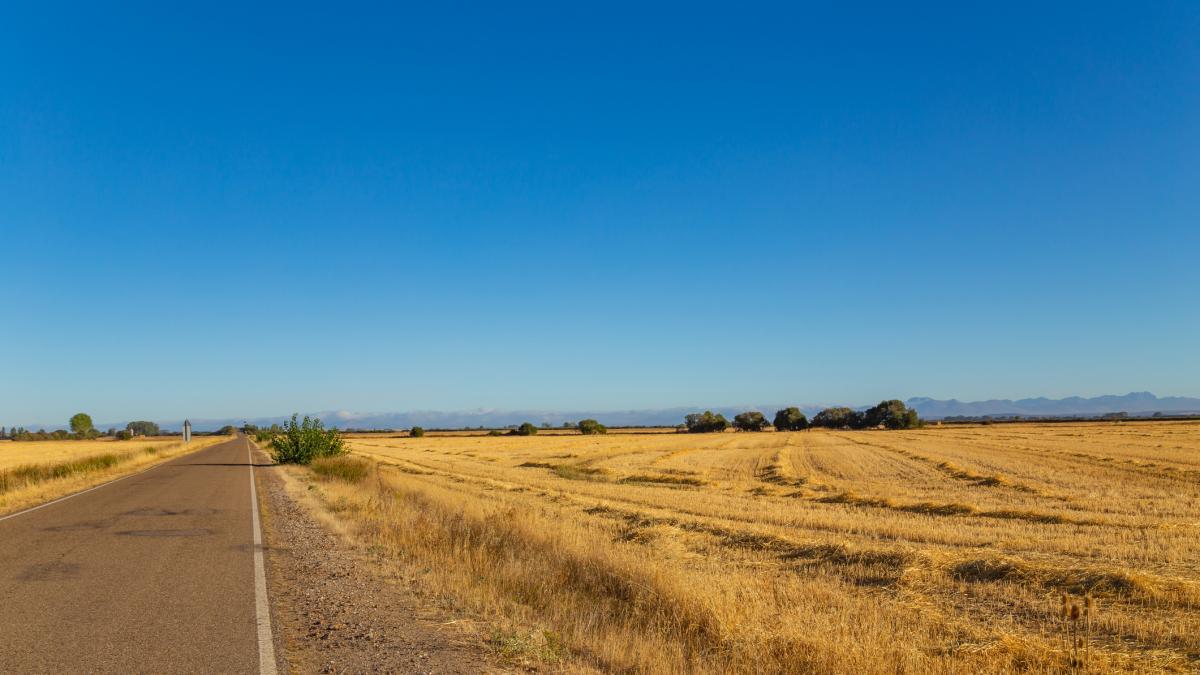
{"type": "Point", "coordinates": [944, 549]}
{"type": "Point", "coordinates": [32, 472]}
{"type": "Point", "coordinates": [14, 454]}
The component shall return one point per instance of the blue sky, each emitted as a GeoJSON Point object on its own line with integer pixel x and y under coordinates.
{"type": "Point", "coordinates": [222, 210]}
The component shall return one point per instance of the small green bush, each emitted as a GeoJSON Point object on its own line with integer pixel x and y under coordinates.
{"type": "Point", "coordinates": [302, 442]}
{"type": "Point", "coordinates": [495, 432]}
{"type": "Point", "coordinates": [417, 432]}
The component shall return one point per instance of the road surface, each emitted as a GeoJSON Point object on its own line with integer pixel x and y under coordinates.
{"type": "Point", "coordinates": [154, 573]}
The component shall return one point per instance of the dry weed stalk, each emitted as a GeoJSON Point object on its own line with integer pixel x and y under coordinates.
{"type": "Point", "coordinates": [1076, 625]}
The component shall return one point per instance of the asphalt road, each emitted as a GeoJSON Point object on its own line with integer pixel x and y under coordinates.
{"type": "Point", "coordinates": [154, 573]}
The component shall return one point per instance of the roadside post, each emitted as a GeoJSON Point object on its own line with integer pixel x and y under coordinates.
{"type": "Point", "coordinates": [187, 431]}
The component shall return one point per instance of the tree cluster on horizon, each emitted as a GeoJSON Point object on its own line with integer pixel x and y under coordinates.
{"type": "Point", "coordinates": [889, 414]}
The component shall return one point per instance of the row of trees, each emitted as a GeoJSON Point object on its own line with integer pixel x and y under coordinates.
{"type": "Point", "coordinates": [891, 414]}
{"type": "Point", "coordinates": [587, 427]}
{"type": "Point", "coordinates": [81, 428]}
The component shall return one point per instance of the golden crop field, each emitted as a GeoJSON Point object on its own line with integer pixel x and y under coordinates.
{"type": "Point", "coordinates": [32, 472]}
{"type": "Point", "coordinates": [53, 452]}
{"type": "Point", "coordinates": [944, 549]}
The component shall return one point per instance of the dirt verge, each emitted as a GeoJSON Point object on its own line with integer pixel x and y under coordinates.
{"type": "Point", "coordinates": [336, 613]}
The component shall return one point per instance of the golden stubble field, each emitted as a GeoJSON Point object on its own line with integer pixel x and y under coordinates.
{"type": "Point", "coordinates": [944, 549]}
{"type": "Point", "coordinates": [53, 452]}
{"type": "Point", "coordinates": [32, 472]}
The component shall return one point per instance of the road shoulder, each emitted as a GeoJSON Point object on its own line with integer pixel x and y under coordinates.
{"type": "Point", "coordinates": [336, 612]}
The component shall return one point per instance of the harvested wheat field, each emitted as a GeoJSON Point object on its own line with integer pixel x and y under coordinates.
{"type": "Point", "coordinates": [53, 452]}
{"type": "Point", "coordinates": [944, 549]}
{"type": "Point", "coordinates": [32, 472]}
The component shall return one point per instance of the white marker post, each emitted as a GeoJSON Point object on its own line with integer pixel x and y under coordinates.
{"type": "Point", "coordinates": [187, 431]}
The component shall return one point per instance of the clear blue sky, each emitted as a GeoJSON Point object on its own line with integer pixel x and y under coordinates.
{"type": "Point", "coordinates": [227, 210]}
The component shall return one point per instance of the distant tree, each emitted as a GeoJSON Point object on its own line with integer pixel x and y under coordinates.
{"type": "Point", "coordinates": [591, 426]}
{"type": "Point", "coordinates": [143, 428]}
{"type": "Point", "coordinates": [545, 425]}
{"type": "Point", "coordinates": [891, 414]}
{"type": "Point", "coordinates": [751, 420]}
{"type": "Point", "coordinates": [3, 433]}
{"type": "Point", "coordinates": [124, 435]}
{"type": "Point", "coordinates": [61, 434]}
{"type": "Point", "coordinates": [81, 423]}
{"type": "Point", "coordinates": [835, 418]}
{"type": "Point", "coordinates": [526, 429]}
{"type": "Point", "coordinates": [250, 429]}
{"type": "Point", "coordinates": [568, 425]}
{"type": "Point", "coordinates": [705, 422]}
{"type": "Point", "coordinates": [417, 432]}
{"type": "Point", "coordinates": [228, 429]}
{"type": "Point", "coordinates": [790, 419]}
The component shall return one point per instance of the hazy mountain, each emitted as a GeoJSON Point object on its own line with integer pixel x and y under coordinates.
{"type": "Point", "coordinates": [490, 418]}
{"type": "Point", "coordinates": [1138, 402]}
{"type": "Point", "coordinates": [1134, 403]}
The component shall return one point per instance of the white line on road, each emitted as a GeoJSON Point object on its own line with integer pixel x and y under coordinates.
{"type": "Point", "coordinates": [262, 609]}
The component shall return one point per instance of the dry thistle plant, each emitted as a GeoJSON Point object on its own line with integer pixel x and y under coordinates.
{"type": "Point", "coordinates": [1064, 614]}
{"type": "Point", "coordinates": [1089, 606]}
{"type": "Point", "coordinates": [1076, 626]}
{"type": "Point", "coordinates": [1075, 639]}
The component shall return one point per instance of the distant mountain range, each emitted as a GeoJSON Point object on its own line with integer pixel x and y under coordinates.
{"type": "Point", "coordinates": [1135, 403]}
{"type": "Point", "coordinates": [928, 408]}
{"type": "Point", "coordinates": [1138, 402]}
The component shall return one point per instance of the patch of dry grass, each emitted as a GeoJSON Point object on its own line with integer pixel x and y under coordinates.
{"type": "Point", "coordinates": [932, 551]}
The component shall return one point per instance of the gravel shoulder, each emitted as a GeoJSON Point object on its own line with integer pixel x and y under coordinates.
{"type": "Point", "coordinates": [336, 612]}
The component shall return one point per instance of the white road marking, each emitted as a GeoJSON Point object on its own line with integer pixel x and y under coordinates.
{"type": "Point", "coordinates": [262, 609]}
